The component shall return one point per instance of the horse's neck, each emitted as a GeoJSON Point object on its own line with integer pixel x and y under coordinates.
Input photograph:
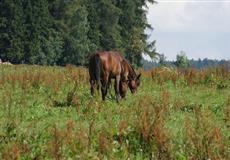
{"type": "Point", "coordinates": [131, 70]}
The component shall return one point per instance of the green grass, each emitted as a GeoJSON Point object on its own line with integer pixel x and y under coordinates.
{"type": "Point", "coordinates": [38, 121]}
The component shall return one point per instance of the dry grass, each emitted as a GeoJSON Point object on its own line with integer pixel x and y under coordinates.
{"type": "Point", "coordinates": [47, 113]}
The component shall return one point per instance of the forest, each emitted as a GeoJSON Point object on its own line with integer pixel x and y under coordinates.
{"type": "Point", "coordinates": [57, 32]}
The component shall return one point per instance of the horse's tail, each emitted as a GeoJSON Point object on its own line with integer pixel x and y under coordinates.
{"type": "Point", "coordinates": [97, 63]}
{"type": "Point", "coordinates": [95, 71]}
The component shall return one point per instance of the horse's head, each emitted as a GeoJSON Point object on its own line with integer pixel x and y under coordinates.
{"type": "Point", "coordinates": [123, 88]}
{"type": "Point", "coordinates": [129, 78]}
{"type": "Point", "coordinates": [134, 83]}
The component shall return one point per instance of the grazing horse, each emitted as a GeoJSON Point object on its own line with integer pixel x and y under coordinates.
{"type": "Point", "coordinates": [129, 78]}
{"type": "Point", "coordinates": [103, 66]}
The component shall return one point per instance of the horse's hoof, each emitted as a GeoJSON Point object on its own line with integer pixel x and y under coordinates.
{"type": "Point", "coordinates": [118, 100]}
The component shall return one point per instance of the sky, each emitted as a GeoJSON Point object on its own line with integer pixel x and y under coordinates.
{"type": "Point", "coordinates": [200, 28]}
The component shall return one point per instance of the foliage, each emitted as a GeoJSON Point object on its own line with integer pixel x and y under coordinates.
{"type": "Point", "coordinates": [182, 60]}
{"type": "Point", "coordinates": [48, 113]}
{"type": "Point", "coordinates": [198, 64]}
{"type": "Point", "coordinates": [162, 60]}
{"type": "Point", "coordinates": [12, 31]}
{"type": "Point", "coordinates": [50, 32]}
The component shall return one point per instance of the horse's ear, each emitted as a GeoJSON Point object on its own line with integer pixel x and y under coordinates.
{"type": "Point", "coordinates": [139, 75]}
{"type": "Point", "coordinates": [129, 77]}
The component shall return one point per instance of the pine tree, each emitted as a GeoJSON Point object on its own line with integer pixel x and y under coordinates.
{"type": "Point", "coordinates": [43, 44]}
{"type": "Point", "coordinates": [109, 27]}
{"type": "Point", "coordinates": [72, 23]}
{"type": "Point", "coordinates": [60, 32]}
{"type": "Point", "coordinates": [11, 31]}
{"type": "Point", "coordinates": [77, 46]}
{"type": "Point", "coordinates": [94, 33]}
{"type": "Point", "coordinates": [182, 60]}
{"type": "Point", "coordinates": [133, 23]}
{"type": "Point", "coordinates": [104, 31]}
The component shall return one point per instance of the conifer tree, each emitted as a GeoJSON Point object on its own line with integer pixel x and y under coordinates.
{"type": "Point", "coordinates": [12, 31]}
{"type": "Point", "coordinates": [60, 32]}
{"type": "Point", "coordinates": [133, 22]}
{"type": "Point", "coordinates": [43, 44]}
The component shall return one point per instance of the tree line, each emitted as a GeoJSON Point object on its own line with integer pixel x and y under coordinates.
{"type": "Point", "coordinates": [183, 62]}
{"type": "Point", "coordinates": [59, 32]}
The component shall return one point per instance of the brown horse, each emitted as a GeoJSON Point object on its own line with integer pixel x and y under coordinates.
{"type": "Point", "coordinates": [129, 78]}
{"type": "Point", "coordinates": [106, 65]}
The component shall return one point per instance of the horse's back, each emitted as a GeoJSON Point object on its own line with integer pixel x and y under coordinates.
{"type": "Point", "coordinates": [110, 56]}
{"type": "Point", "coordinates": [111, 62]}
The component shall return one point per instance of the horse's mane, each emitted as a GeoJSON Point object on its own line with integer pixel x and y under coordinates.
{"type": "Point", "coordinates": [131, 69]}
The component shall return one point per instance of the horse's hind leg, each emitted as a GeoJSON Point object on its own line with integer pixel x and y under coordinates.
{"type": "Point", "coordinates": [92, 83]}
{"type": "Point", "coordinates": [104, 86]}
{"type": "Point", "coordinates": [109, 83]}
{"type": "Point", "coordinates": [116, 86]}
{"type": "Point", "coordinates": [109, 86]}
{"type": "Point", "coordinates": [103, 91]}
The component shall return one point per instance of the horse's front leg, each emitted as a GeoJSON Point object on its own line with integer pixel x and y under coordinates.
{"type": "Point", "coordinates": [117, 82]}
{"type": "Point", "coordinates": [109, 83]}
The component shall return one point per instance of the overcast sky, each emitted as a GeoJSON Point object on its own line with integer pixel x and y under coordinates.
{"type": "Point", "coordinates": [201, 28]}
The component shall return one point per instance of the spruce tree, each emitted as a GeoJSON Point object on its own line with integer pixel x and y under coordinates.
{"type": "Point", "coordinates": [94, 32]}
{"type": "Point", "coordinates": [43, 44]}
{"type": "Point", "coordinates": [12, 31]}
{"type": "Point", "coordinates": [77, 46]}
{"type": "Point", "coordinates": [60, 32]}
{"type": "Point", "coordinates": [133, 22]}
{"type": "Point", "coordinates": [109, 27]}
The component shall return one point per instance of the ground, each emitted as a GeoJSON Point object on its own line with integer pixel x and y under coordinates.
{"type": "Point", "coordinates": [48, 113]}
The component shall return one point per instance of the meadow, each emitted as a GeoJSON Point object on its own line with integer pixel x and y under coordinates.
{"type": "Point", "coordinates": [48, 113]}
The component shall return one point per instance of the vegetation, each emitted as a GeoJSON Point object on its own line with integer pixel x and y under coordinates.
{"type": "Point", "coordinates": [182, 60]}
{"type": "Point", "coordinates": [50, 32]}
{"type": "Point", "coordinates": [47, 113]}
{"type": "Point", "coordinates": [198, 64]}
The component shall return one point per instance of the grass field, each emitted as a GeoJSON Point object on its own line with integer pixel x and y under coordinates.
{"type": "Point", "coordinates": [47, 113]}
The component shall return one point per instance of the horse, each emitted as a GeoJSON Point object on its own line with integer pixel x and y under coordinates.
{"type": "Point", "coordinates": [129, 75]}
{"type": "Point", "coordinates": [102, 67]}
{"type": "Point", "coordinates": [105, 65]}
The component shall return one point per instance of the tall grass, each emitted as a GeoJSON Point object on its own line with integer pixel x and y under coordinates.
{"type": "Point", "coordinates": [48, 113]}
